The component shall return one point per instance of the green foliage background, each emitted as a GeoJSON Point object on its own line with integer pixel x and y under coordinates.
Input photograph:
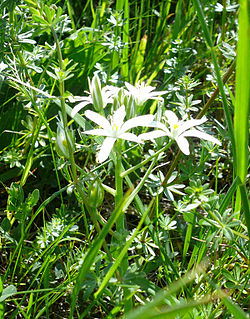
{"type": "Point", "coordinates": [53, 260]}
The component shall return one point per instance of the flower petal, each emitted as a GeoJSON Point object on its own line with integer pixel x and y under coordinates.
{"type": "Point", "coordinates": [119, 116]}
{"type": "Point", "coordinates": [201, 135]}
{"type": "Point", "coordinates": [161, 126]}
{"type": "Point", "coordinates": [130, 137]}
{"type": "Point", "coordinates": [105, 149]}
{"type": "Point", "coordinates": [99, 132]}
{"type": "Point", "coordinates": [171, 117]}
{"type": "Point", "coordinates": [132, 89]}
{"type": "Point", "coordinates": [190, 123]}
{"type": "Point", "coordinates": [76, 98]}
{"type": "Point", "coordinates": [79, 106]}
{"type": "Point", "coordinates": [143, 120]}
{"type": "Point", "coordinates": [98, 119]}
{"type": "Point", "coordinates": [183, 144]}
{"type": "Point", "coordinates": [155, 95]}
{"type": "Point", "coordinates": [152, 135]}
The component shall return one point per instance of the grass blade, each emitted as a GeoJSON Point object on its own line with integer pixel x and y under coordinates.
{"type": "Point", "coordinates": [234, 309]}
{"type": "Point", "coordinates": [210, 46]}
{"type": "Point", "coordinates": [125, 37]}
{"type": "Point", "coordinates": [242, 100]}
{"type": "Point", "coordinates": [94, 251]}
{"type": "Point", "coordinates": [148, 310]}
{"type": "Point", "coordinates": [229, 195]}
{"type": "Point", "coordinates": [122, 254]}
{"type": "Point", "coordinates": [1, 303]}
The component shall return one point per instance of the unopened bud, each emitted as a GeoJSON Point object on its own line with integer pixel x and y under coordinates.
{"type": "Point", "coordinates": [95, 194]}
{"type": "Point", "coordinates": [96, 93]}
{"type": "Point", "coordinates": [64, 144]}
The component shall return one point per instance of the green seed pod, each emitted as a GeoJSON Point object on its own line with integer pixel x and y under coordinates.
{"type": "Point", "coordinates": [95, 194]}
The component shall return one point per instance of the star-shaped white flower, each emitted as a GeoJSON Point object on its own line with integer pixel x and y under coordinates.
{"type": "Point", "coordinates": [179, 130]}
{"type": "Point", "coordinates": [98, 96]}
{"type": "Point", "coordinates": [116, 128]}
{"type": "Point", "coordinates": [142, 92]}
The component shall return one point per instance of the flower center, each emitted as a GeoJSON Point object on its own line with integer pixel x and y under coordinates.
{"type": "Point", "coordinates": [115, 127]}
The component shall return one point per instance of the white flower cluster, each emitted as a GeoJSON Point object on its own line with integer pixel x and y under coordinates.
{"type": "Point", "coordinates": [115, 127]}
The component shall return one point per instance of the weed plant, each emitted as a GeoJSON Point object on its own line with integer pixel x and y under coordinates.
{"type": "Point", "coordinates": [124, 159]}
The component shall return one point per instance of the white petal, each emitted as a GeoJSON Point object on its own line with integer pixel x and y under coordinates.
{"type": "Point", "coordinates": [132, 89]}
{"type": "Point", "coordinates": [157, 93]}
{"type": "Point", "coordinates": [119, 116]}
{"type": "Point", "coordinates": [99, 132]}
{"type": "Point", "coordinates": [98, 119]}
{"type": "Point", "coordinates": [146, 90]}
{"type": "Point", "coordinates": [191, 123]}
{"type": "Point", "coordinates": [76, 98]}
{"type": "Point", "coordinates": [78, 107]}
{"type": "Point", "coordinates": [105, 149]}
{"type": "Point", "coordinates": [130, 137]}
{"type": "Point", "coordinates": [143, 120]}
{"type": "Point", "coordinates": [201, 135]}
{"type": "Point", "coordinates": [90, 85]}
{"type": "Point", "coordinates": [171, 117]}
{"type": "Point", "coordinates": [161, 126]}
{"type": "Point", "coordinates": [183, 144]}
{"type": "Point", "coordinates": [152, 135]}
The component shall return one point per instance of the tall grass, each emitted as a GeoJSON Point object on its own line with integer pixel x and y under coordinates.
{"type": "Point", "coordinates": [165, 240]}
{"type": "Point", "coordinates": [242, 103]}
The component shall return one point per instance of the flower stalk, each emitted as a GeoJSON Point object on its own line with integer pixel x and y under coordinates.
{"type": "Point", "coordinates": [71, 158]}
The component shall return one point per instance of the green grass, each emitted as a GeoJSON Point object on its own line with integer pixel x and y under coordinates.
{"type": "Point", "coordinates": [242, 104]}
{"type": "Point", "coordinates": [170, 236]}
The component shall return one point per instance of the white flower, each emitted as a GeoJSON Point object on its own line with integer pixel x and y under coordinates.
{"type": "Point", "coordinates": [142, 92]}
{"type": "Point", "coordinates": [179, 130]}
{"type": "Point", "coordinates": [115, 129]}
{"type": "Point", "coordinates": [98, 96]}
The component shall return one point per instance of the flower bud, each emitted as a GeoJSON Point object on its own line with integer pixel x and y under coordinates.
{"type": "Point", "coordinates": [95, 194]}
{"type": "Point", "coordinates": [96, 93]}
{"type": "Point", "coordinates": [62, 142]}
{"type": "Point", "coordinates": [130, 106]}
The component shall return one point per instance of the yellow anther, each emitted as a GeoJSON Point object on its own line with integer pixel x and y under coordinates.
{"type": "Point", "coordinates": [115, 127]}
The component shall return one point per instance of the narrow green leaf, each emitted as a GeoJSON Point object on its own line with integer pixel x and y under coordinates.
{"type": "Point", "coordinates": [234, 309]}
{"type": "Point", "coordinates": [147, 311]}
{"type": "Point", "coordinates": [242, 99]}
{"type": "Point", "coordinates": [122, 254]}
{"type": "Point", "coordinates": [177, 310]}
{"type": "Point", "coordinates": [188, 236]}
{"type": "Point", "coordinates": [90, 257]}
{"type": "Point", "coordinates": [1, 303]}
{"type": "Point", "coordinates": [229, 195]}
{"type": "Point", "coordinates": [8, 292]}
{"type": "Point", "coordinates": [125, 38]}
{"type": "Point", "coordinates": [210, 46]}
{"type": "Point", "coordinates": [245, 204]}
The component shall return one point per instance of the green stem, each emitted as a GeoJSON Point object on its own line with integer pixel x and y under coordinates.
{"type": "Point", "coordinates": [120, 224]}
{"type": "Point", "coordinates": [139, 186]}
{"type": "Point", "coordinates": [63, 107]}
{"type": "Point", "coordinates": [132, 169]}
{"type": "Point", "coordinates": [71, 152]}
{"type": "Point", "coordinates": [119, 184]}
